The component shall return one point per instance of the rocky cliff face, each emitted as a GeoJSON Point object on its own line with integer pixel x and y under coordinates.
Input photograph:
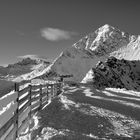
{"type": "Point", "coordinates": [97, 46]}
{"type": "Point", "coordinates": [117, 74]}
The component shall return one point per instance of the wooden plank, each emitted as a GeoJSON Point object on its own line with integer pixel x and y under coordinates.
{"type": "Point", "coordinates": [7, 125]}
{"type": "Point", "coordinates": [23, 116]}
{"type": "Point", "coordinates": [38, 97]}
{"type": "Point", "coordinates": [35, 105]}
{"type": "Point", "coordinates": [7, 133]}
{"type": "Point", "coordinates": [5, 101]}
{"type": "Point", "coordinates": [35, 99]}
{"type": "Point", "coordinates": [4, 117]}
{"type": "Point", "coordinates": [22, 100]}
{"type": "Point", "coordinates": [35, 87]}
{"type": "Point", "coordinates": [44, 100]}
{"type": "Point", "coordinates": [44, 95]}
{"type": "Point", "coordinates": [44, 104]}
{"type": "Point", "coordinates": [19, 107]}
{"type": "Point", "coordinates": [24, 107]}
{"type": "Point", "coordinates": [35, 110]}
{"type": "Point", "coordinates": [34, 93]}
{"type": "Point", "coordinates": [23, 91]}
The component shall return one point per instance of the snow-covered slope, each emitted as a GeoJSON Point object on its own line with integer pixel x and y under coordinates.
{"type": "Point", "coordinates": [97, 46]}
{"type": "Point", "coordinates": [14, 70]}
{"type": "Point", "coordinates": [40, 69]}
{"type": "Point", "coordinates": [26, 65]}
{"type": "Point", "coordinates": [35, 70]}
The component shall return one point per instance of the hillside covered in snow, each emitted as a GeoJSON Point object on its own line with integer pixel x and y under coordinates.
{"type": "Point", "coordinates": [26, 65]}
{"type": "Point", "coordinates": [21, 70]}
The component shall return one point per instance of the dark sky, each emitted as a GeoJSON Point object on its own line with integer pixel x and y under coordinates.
{"type": "Point", "coordinates": [46, 27]}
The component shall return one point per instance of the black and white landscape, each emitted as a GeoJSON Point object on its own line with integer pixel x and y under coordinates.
{"type": "Point", "coordinates": [101, 94]}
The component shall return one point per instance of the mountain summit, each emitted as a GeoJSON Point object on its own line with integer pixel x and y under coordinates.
{"type": "Point", "coordinates": [103, 40]}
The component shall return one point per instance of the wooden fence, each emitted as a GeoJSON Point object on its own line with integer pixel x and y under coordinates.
{"type": "Point", "coordinates": [19, 107]}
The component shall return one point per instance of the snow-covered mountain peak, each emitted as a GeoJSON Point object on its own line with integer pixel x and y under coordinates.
{"type": "Point", "coordinates": [105, 28]}
{"type": "Point", "coordinates": [104, 40]}
{"type": "Point", "coordinates": [108, 31]}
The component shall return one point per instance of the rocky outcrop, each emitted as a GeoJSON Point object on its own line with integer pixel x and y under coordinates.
{"type": "Point", "coordinates": [117, 74]}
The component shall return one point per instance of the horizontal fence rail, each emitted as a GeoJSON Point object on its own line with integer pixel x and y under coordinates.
{"type": "Point", "coordinates": [16, 109]}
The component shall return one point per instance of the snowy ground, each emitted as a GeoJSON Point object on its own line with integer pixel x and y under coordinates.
{"type": "Point", "coordinates": [86, 113]}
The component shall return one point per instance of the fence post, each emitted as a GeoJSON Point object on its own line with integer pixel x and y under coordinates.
{"type": "Point", "coordinates": [47, 92]}
{"type": "Point", "coordinates": [58, 88]}
{"type": "Point", "coordinates": [30, 113]}
{"type": "Point", "coordinates": [55, 89]}
{"type": "Point", "coordinates": [30, 93]}
{"type": "Point", "coordinates": [17, 90]}
{"type": "Point", "coordinates": [40, 97]}
{"type": "Point", "coordinates": [51, 91]}
{"type": "Point", "coordinates": [62, 84]}
{"type": "Point", "coordinates": [53, 86]}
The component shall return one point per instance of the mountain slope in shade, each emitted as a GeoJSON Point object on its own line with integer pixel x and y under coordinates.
{"type": "Point", "coordinates": [97, 46]}
{"type": "Point", "coordinates": [116, 73]}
